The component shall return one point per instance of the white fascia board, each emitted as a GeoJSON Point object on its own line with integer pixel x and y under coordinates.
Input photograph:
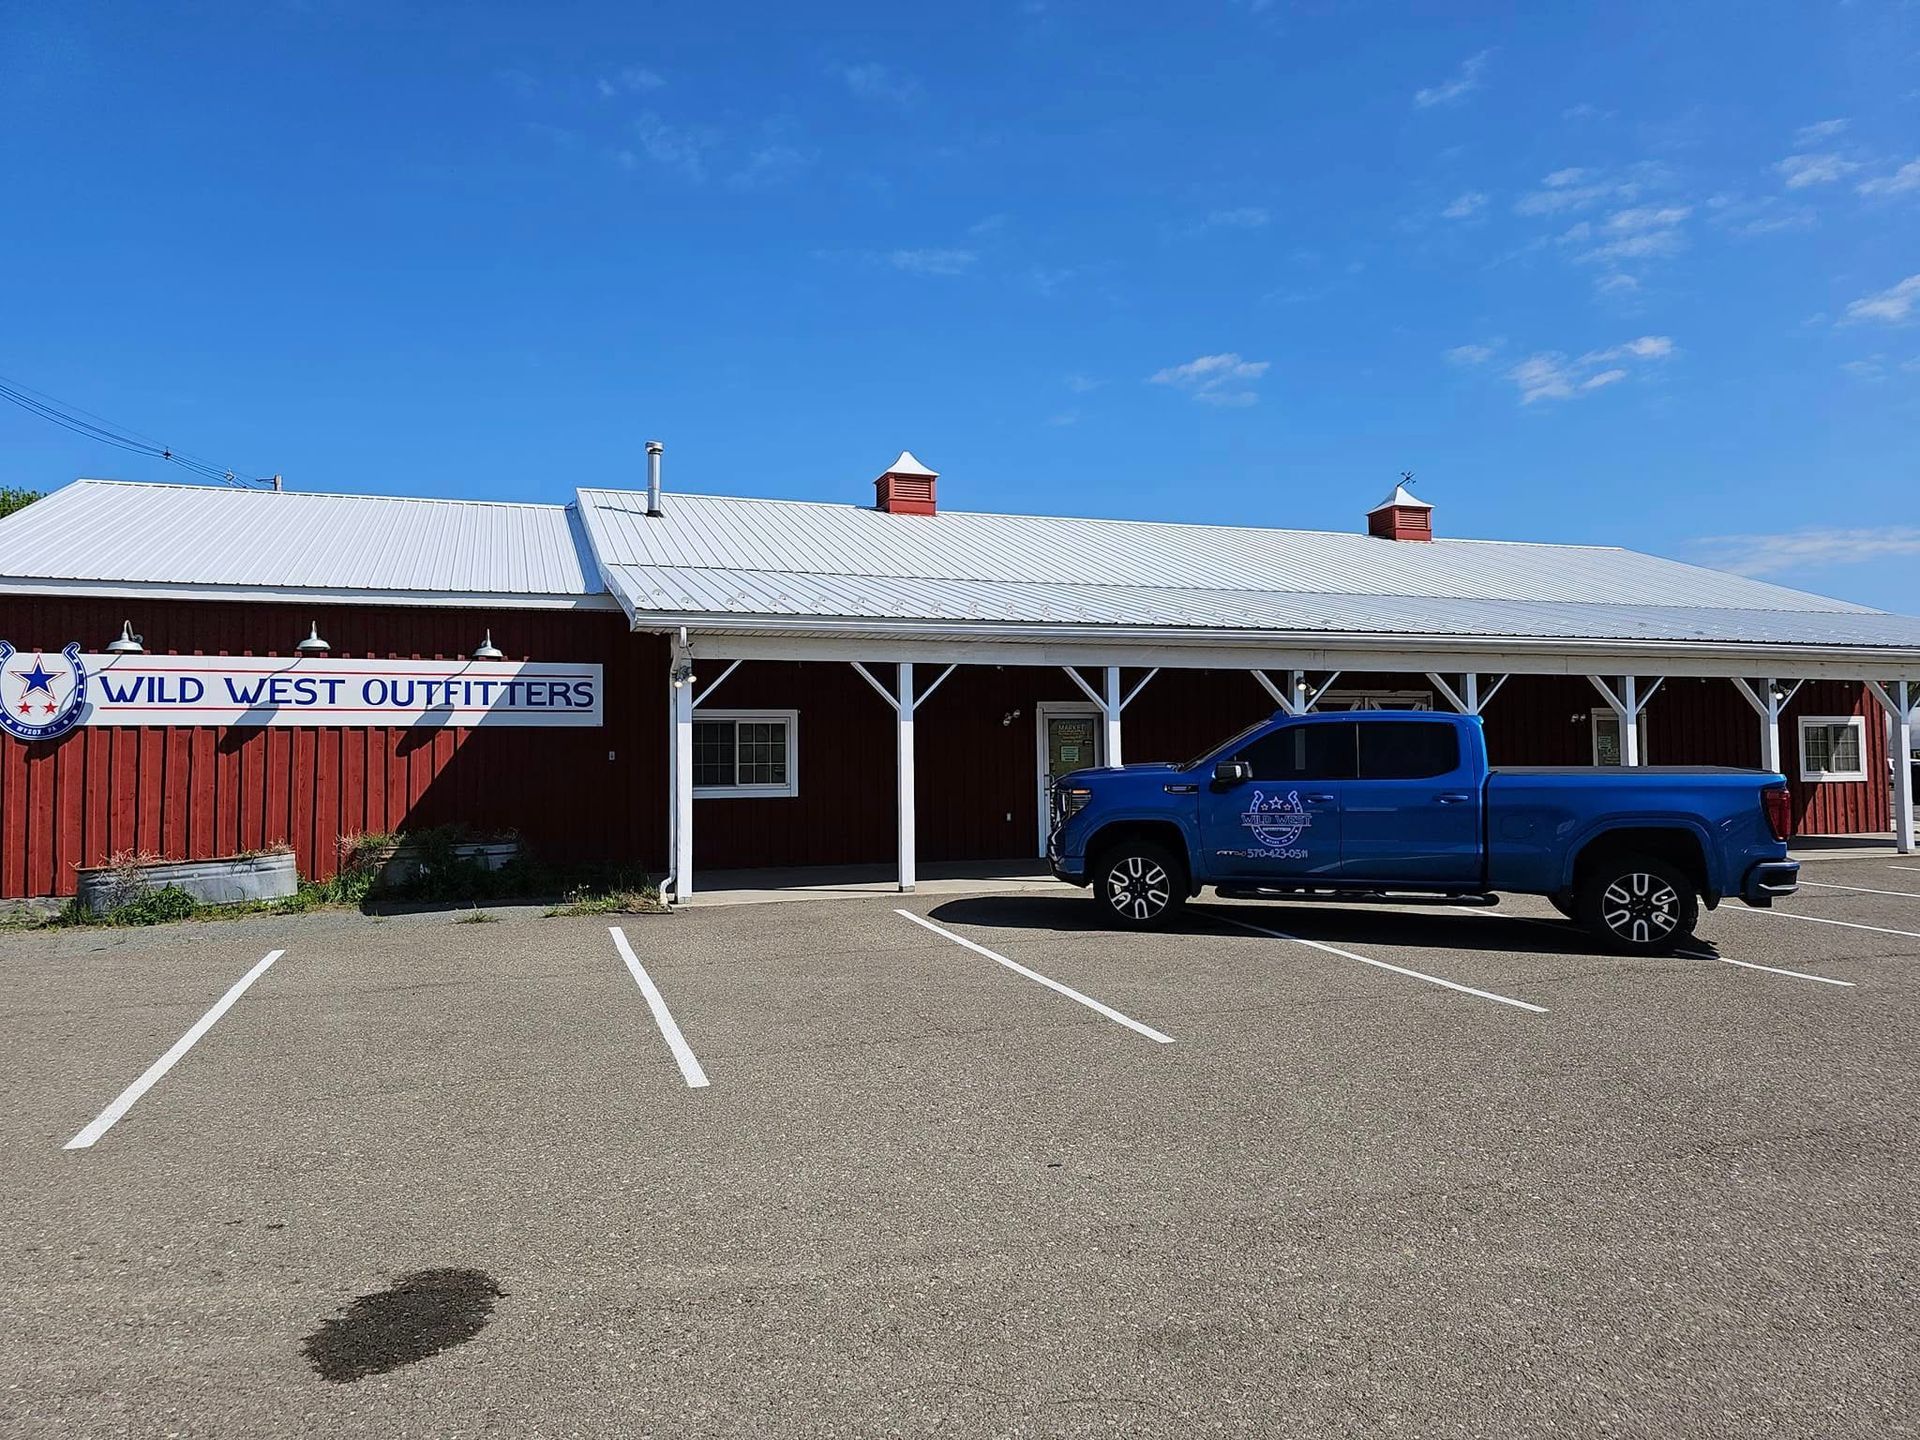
{"type": "Point", "coordinates": [1012, 644]}
{"type": "Point", "coordinates": [287, 594]}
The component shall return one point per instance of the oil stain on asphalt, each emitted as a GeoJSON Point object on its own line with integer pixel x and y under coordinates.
{"type": "Point", "coordinates": [418, 1315]}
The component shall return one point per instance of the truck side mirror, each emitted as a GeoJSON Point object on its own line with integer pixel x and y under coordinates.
{"type": "Point", "coordinates": [1227, 773]}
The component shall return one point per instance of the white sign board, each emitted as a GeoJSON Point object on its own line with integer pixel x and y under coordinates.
{"type": "Point", "coordinates": [49, 692]}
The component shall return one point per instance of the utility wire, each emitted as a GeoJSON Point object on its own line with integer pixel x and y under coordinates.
{"type": "Point", "coordinates": [97, 428]}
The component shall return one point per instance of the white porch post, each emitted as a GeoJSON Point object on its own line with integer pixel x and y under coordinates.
{"type": "Point", "coordinates": [1112, 705]}
{"type": "Point", "coordinates": [682, 773]}
{"type": "Point", "coordinates": [1896, 698]}
{"type": "Point", "coordinates": [1903, 766]}
{"type": "Point", "coordinates": [1630, 721]}
{"type": "Point", "coordinates": [903, 806]}
{"type": "Point", "coordinates": [1770, 728]}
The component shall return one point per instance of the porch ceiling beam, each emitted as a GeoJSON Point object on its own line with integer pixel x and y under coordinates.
{"type": "Point", "coordinates": [1491, 691]}
{"type": "Point", "coordinates": [1280, 697]}
{"type": "Point", "coordinates": [879, 689]}
{"type": "Point", "coordinates": [1439, 683]}
{"type": "Point", "coordinates": [1173, 650]}
{"type": "Point", "coordinates": [1138, 688]}
{"type": "Point", "coordinates": [1607, 694]}
{"type": "Point", "coordinates": [922, 698]}
{"type": "Point", "coordinates": [1759, 706]}
{"type": "Point", "coordinates": [1325, 685]}
{"type": "Point", "coordinates": [1091, 693]}
{"type": "Point", "coordinates": [706, 691]}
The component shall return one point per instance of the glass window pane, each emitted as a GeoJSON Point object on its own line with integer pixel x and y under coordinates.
{"type": "Point", "coordinates": [1302, 752]}
{"type": "Point", "coordinates": [1408, 750]}
{"type": "Point", "coordinates": [713, 752]}
{"type": "Point", "coordinates": [1845, 747]}
{"type": "Point", "coordinates": [763, 752]}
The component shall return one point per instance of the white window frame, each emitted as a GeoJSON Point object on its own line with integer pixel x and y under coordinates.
{"type": "Point", "coordinates": [791, 719]}
{"type": "Point", "coordinates": [1857, 723]}
{"type": "Point", "coordinates": [1606, 714]}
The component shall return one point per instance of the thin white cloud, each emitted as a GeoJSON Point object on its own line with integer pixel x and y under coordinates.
{"type": "Point", "coordinates": [1082, 384]}
{"type": "Point", "coordinates": [1240, 217]}
{"type": "Point", "coordinates": [775, 163]}
{"type": "Point", "coordinates": [1903, 181]}
{"type": "Point", "coordinates": [1223, 379]}
{"type": "Point", "coordinates": [1807, 548]}
{"type": "Point", "coordinates": [932, 261]}
{"type": "Point", "coordinates": [1465, 206]}
{"type": "Point", "coordinates": [1808, 136]}
{"type": "Point", "coordinates": [634, 80]}
{"type": "Point", "coordinates": [1462, 83]}
{"type": "Point", "coordinates": [1469, 354]}
{"type": "Point", "coordinates": [1800, 171]}
{"type": "Point", "coordinates": [869, 80]}
{"type": "Point", "coordinates": [674, 147]}
{"type": "Point", "coordinates": [988, 225]}
{"type": "Point", "coordinates": [1572, 189]}
{"type": "Point", "coordinates": [1550, 375]}
{"type": "Point", "coordinates": [1891, 306]}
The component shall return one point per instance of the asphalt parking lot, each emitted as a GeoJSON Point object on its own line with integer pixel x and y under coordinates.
{"type": "Point", "coordinates": [978, 1168]}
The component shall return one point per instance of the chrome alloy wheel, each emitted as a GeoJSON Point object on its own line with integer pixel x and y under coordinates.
{"type": "Point", "coordinates": [1138, 887]}
{"type": "Point", "coordinates": [1640, 908]}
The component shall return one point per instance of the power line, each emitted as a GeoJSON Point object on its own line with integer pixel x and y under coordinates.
{"type": "Point", "coordinates": [98, 428]}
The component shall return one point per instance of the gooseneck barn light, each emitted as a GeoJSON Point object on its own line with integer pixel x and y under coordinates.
{"type": "Point", "coordinates": [313, 644]}
{"type": "Point", "coordinates": [488, 650]}
{"type": "Point", "coordinates": [128, 643]}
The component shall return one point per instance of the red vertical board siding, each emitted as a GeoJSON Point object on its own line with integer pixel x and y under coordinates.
{"type": "Point", "coordinates": [196, 792]}
{"type": "Point", "coordinates": [600, 794]}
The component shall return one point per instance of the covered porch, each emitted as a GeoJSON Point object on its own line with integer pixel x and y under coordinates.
{"type": "Point", "coordinates": [887, 751]}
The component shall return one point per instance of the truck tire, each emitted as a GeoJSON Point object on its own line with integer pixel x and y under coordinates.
{"type": "Point", "coordinates": [1141, 884]}
{"type": "Point", "coordinates": [1638, 905]}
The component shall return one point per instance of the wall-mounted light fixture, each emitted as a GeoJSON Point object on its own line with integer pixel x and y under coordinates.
{"type": "Point", "coordinates": [313, 644]}
{"type": "Point", "coordinates": [1010, 716]}
{"type": "Point", "coordinates": [682, 674]}
{"type": "Point", "coordinates": [488, 650]}
{"type": "Point", "coordinates": [128, 643]}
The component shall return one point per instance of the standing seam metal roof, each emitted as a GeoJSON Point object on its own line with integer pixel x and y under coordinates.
{"type": "Point", "coordinates": [203, 536]}
{"type": "Point", "coordinates": [790, 561]}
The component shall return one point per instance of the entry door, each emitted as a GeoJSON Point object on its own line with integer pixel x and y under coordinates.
{"type": "Point", "coordinates": [1284, 823]}
{"type": "Point", "coordinates": [1071, 737]}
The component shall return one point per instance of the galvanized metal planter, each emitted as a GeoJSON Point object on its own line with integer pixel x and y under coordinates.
{"type": "Point", "coordinates": [228, 881]}
{"type": "Point", "coordinates": [402, 863]}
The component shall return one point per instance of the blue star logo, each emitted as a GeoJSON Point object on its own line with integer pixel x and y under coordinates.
{"type": "Point", "coordinates": [38, 678]}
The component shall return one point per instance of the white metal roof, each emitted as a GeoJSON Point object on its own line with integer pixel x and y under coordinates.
{"type": "Point", "coordinates": [200, 540]}
{"type": "Point", "coordinates": [729, 559]}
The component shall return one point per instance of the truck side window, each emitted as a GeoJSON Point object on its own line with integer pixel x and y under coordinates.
{"type": "Point", "coordinates": [1408, 750]}
{"type": "Point", "coordinates": [1302, 752]}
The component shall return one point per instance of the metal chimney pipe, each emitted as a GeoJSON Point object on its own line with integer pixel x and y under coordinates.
{"type": "Point", "coordinates": [654, 447]}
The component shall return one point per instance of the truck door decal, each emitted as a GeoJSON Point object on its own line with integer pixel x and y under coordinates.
{"type": "Point", "coordinates": [1277, 822]}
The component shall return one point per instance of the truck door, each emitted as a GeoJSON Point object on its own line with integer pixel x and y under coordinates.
{"type": "Point", "coordinates": [1411, 815]}
{"type": "Point", "coordinates": [1285, 822]}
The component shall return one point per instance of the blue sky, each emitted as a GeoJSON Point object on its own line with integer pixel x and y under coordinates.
{"type": "Point", "coordinates": [1641, 274]}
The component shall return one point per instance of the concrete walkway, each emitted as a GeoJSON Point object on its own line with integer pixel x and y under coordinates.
{"type": "Point", "coordinates": [822, 882]}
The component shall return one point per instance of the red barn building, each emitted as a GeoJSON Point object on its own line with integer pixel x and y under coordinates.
{"type": "Point", "coordinates": [692, 682]}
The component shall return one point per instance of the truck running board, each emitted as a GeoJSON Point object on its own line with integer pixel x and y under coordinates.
{"type": "Point", "coordinates": [1363, 897]}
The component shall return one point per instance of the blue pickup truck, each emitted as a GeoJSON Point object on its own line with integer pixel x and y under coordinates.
{"type": "Point", "coordinates": [1387, 804]}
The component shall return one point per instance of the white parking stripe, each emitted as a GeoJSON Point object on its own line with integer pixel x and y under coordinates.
{"type": "Point", "coordinates": [683, 1056]}
{"type": "Point", "coordinates": [1910, 869]}
{"type": "Point", "coordinates": [1822, 920]}
{"type": "Point", "coordinates": [1770, 969]}
{"type": "Point", "coordinates": [1861, 889]}
{"type": "Point", "coordinates": [126, 1098]}
{"type": "Point", "coordinates": [1038, 978]}
{"type": "Point", "coordinates": [1564, 925]}
{"type": "Point", "coordinates": [1380, 964]}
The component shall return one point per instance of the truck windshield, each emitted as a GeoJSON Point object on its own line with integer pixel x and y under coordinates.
{"type": "Point", "coordinates": [1224, 745]}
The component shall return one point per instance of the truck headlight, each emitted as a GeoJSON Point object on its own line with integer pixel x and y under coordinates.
{"type": "Point", "coordinates": [1072, 802]}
